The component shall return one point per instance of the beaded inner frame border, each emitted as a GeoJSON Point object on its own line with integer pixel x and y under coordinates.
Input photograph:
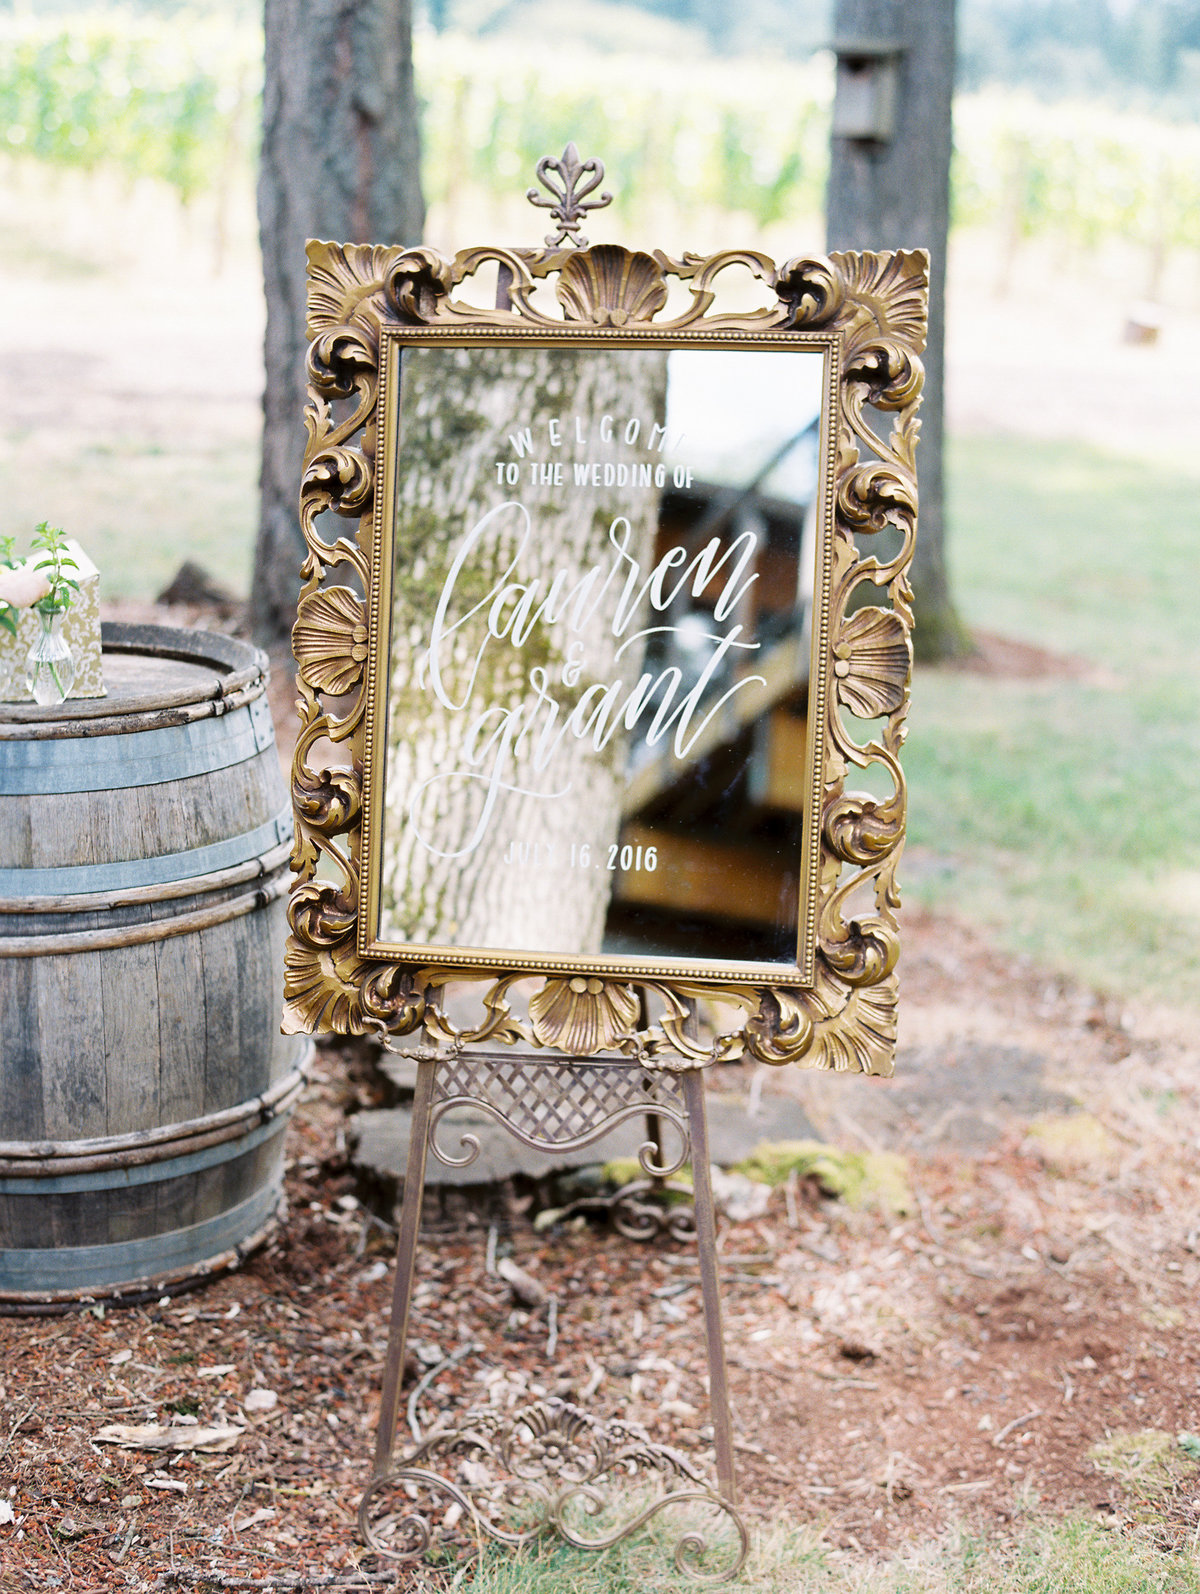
{"type": "Point", "coordinates": [872, 308]}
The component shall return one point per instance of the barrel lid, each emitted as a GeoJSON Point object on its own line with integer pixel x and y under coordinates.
{"type": "Point", "coordinates": [149, 670]}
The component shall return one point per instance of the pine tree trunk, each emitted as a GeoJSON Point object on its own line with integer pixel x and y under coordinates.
{"type": "Point", "coordinates": [895, 194]}
{"type": "Point", "coordinates": [463, 864]}
{"type": "Point", "coordinates": [340, 161]}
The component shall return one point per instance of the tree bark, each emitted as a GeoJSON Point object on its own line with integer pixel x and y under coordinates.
{"type": "Point", "coordinates": [339, 160]}
{"type": "Point", "coordinates": [487, 825]}
{"type": "Point", "coordinates": [895, 194]}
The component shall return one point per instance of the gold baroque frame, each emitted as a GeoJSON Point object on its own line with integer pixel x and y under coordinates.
{"type": "Point", "coordinates": [872, 308]}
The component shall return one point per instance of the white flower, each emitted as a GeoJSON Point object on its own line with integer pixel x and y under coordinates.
{"type": "Point", "coordinates": [22, 586]}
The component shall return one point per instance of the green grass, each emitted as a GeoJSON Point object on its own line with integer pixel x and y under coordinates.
{"type": "Point", "coordinates": [1072, 1556]}
{"type": "Point", "coordinates": [1065, 812]}
{"type": "Point", "coordinates": [140, 511]}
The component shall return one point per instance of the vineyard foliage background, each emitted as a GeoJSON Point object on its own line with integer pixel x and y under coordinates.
{"type": "Point", "coordinates": [701, 139]}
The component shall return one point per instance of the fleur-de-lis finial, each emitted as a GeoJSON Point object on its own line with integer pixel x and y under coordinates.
{"type": "Point", "coordinates": [568, 202]}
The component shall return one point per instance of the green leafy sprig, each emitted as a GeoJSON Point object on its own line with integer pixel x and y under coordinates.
{"type": "Point", "coordinates": [9, 614]}
{"type": "Point", "coordinates": [49, 540]}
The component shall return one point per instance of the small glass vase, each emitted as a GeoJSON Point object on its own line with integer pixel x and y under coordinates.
{"type": "Point", "coordinates": [50, 664]}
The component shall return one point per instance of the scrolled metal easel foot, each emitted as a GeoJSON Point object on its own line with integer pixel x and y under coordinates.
{"type": "Point", "coordinates": [516, 1476]}
{"type": "Point", "coordinates": [642, 1210]}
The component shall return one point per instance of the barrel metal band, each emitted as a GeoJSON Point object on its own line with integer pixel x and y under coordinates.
{"type": "Point", "coordinates": [123, 1178]}
{"type": "Point", "coordinates": [125, 1262]}
{"type": "Point", "coordinates": [29, 946]}
{"type": "Point", "coordinates": [30, 768]}
{"type": "Point", "coordinates": [130, 874]}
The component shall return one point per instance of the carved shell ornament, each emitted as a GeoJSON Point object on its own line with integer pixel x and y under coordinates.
{"type": "Point", "coordinates": [583, 1015]}
{"type": "Point", "coordinates": [608, 286]}
{"type": "Point", "coordinates": [872, 662]}
{"type": "Point", "coordinates": [330, 640]}
{"type": "Point", "coordinates": [868, 312]}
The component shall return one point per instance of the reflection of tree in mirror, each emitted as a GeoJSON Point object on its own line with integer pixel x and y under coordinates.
{"type": "Point", "coordinates": [518, 510]}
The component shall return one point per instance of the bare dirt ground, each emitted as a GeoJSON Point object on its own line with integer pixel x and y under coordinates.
{"type": "Point", "coordinates": [892, 1373]}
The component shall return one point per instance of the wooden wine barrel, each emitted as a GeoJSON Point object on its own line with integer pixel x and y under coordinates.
{"type": "Point", "coordinates": [144, 1085]}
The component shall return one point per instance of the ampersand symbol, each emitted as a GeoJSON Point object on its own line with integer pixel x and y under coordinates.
{"type": "Point", "coordinates": [573, 668]}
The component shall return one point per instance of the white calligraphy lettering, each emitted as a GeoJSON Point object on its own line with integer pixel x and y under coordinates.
{"type": "Point", "coordinates": [531, 731]}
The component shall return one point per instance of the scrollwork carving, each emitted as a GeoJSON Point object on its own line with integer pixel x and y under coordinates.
{"type": "Point", "coordinates": [342, 361]}
{"type": "Point", "coordinates": [814, 292]}
{"type": "Point", "coordinates": [392, 997]}
{"type": "Point", "coordinates": [322, 916]}
{"type": "Point", "coordinates": [861, 830]}
{"type": "Point", "coordinates": [888, 373]}
{"type": "Point", "coordinates": [340, 479]}
{"type": "Point", "coordinates": [327, 800]}
{"type": "Point", "coordinates": [416, 283]}
{"type": "Point", "coordinates": [872, 496]}
{"type": "Point", "coordinates": [550, 1460]}
{"type": "Point", "coordinates": [869, 310]}
{"type": "Point", "coordinates": [780, 1030]}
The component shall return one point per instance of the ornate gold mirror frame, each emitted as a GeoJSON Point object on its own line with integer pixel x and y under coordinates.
{"type": "Point", "coordinates": [836, 1008]}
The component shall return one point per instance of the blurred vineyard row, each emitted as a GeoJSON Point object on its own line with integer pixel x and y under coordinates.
{"type": "Point", "coordinates": [179, 101]}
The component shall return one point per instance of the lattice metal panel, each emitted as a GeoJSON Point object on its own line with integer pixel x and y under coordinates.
{"type": "Point", "coordinates": [554, 1103]}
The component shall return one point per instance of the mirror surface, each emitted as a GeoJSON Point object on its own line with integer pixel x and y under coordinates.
{"type": "Point", "coordinates": [592, 699]}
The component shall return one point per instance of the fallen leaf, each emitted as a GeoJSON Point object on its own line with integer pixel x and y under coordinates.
{"type": "Point", "coordinates": [261, 1400]}
{"type": "Point", "coordinates": [6, 1512]}
{"type": "Point", "coordinates": [152, 1436]}
{"type": "Point", "coordinates": [526, 1289]}
{"type": "Point", "coordinates": [216, 1372]}
{"type": "Point", "coordinates": [679, 1408]}
{"type": "Point", "coordinates": [121, 1357]}
{"type": "Point", "coordinates": [166, 1483]}
{"type": "Point", "coordinates": [263, 1514]}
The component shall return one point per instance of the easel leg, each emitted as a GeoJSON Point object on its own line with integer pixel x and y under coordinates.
{"type": "Point", "coordinates": [710, 1285]}
{"type": "Point", "coordinates": [406, 1257]}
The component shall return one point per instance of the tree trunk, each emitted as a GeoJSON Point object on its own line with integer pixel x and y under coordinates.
{"type": "Point", "coordinates": [340, 161]}
{"type": "Point", "coordinates": [499, 812]}
{"type": "Point", "coordinates": [894, 193]}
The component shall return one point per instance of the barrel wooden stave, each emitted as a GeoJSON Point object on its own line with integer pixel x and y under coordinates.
{"type": "Point", "coordinates": [92, 829]}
